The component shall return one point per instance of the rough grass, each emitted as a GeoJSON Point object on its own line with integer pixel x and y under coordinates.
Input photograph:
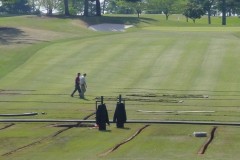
{"type": "Point", "coordinates": [156, 57]}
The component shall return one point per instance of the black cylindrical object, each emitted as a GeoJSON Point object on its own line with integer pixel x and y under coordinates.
{"type": "Point", "coordinates": [102, 117]}
{"type": "Point", "coordinates": [120, 116]}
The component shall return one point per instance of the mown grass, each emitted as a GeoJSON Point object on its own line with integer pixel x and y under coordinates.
{"type": "Point", "coordinates": [155, 57]}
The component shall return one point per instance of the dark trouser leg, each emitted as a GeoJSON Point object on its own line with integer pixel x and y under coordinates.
{"type": "Point", "coordinates": [77, 88]}
{"type": "Point", "coordinates": [73, 92]}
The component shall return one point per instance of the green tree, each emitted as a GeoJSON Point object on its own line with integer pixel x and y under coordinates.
{"type": "Point", "coordinates": [232, 6]}
{"type": "Point", "coordinates": [207, 6]}
{"type": "Point", "coordinates": [16, 6]}
{"type": "Point", "coordinates": [105, 2]}
{"type": "Point", "coordinates": [130, 6]}
{"type": "Point", "coordinates": [76, 7]}
{"type": "Point", "coordinates": [50, 5]}
{"type": "Point", "coordinates": [237, 7]}
{"type": "Point", "coordinates": [154, 6]}
{"type": "Point", "coordinates": [166, 7]}
{"type": "Point", "coordinates": [111, 7]}
{"type": "Point", "coordinates": [193, 11]}
{"type": "Point", "coordinates": [137, 6]}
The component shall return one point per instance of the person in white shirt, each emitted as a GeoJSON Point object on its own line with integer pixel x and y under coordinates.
{"type": "Point", "coordinates": [83, 85]}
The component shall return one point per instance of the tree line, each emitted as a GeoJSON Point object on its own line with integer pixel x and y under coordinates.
{"type": "Point", "coordinates": [191, 9]}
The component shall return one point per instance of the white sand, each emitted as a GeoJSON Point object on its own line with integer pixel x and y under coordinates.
{"type": "Point", "coordinates": [108, 27]}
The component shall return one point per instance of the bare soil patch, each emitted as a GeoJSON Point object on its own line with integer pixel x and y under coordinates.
{"type": "Point", "coordinates": [14, 37]}
{"type": "Point", "coordinates": [125, 141]}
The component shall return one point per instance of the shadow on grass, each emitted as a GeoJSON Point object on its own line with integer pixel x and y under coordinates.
{"type": "Point", "coordinates": [10, 15]}
{"type": "Point", "coordinates": [11, 35]}
{"type": "Point", "coordinates": [105, 130]}
{"type": "Point", "coordinates": [125, 128]}
{"type": "Point", "coordinates": [123, 19]}
{"type": "Point", "coordinates": [115, 20]}
{"type": "Point", "coordinates": [8, 34]}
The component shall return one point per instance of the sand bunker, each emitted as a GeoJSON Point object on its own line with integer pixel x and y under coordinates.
{"type": "Point", "coordinates": [108, 27]}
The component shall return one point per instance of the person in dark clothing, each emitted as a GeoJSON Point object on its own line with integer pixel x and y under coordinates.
{"type": "Point", "coordinates": [77, 85]}
{"type": "Point", "coordinates": [120, 116]}
{"type": "Point", "coordinates": [102, 117]}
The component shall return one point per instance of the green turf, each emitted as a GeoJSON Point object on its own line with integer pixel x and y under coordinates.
{"type": "Point", "coordinates": [175, 60]}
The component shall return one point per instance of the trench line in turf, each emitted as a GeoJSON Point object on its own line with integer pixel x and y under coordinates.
{"type": "Point", "coordinates": [43, 139]}
{"type": "Point", "coordinates": [125, 141]}
{"type": "Point", "coordinates": [210, 139]}
{"type": "Point", "coordinates": [7, 126]}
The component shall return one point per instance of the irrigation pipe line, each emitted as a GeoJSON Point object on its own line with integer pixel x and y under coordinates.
{"type": "Point", "coordinates": [21, 114]}
{"type": "Point", "coordinates": [129, 121]}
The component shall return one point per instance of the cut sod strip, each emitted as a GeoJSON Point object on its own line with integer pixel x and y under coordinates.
{"type": "Point", "coordinates": [175, 111]}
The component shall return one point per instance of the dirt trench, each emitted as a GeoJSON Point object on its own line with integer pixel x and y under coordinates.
{"type": "Point", "coordinates": [203, 149]}
{"type": "Point", "coordinates": [7, 126]}
{"type": "Point", "coordinates": [124, 142]}
{"type": "Point", "coordinates": [43, 139]}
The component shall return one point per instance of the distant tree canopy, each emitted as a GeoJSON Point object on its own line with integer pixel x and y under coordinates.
{"type": "Point", "coordinates": [193, 9]}
{"type": "Point", "coordinates": [166, 7]}
{"type": "Point", "coordinates": [196, 8]}
{"type": "Point", "coordinates": [15, 6]}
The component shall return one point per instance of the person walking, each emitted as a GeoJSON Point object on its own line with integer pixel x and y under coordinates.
{"type": "Point", "coordinates": [77, 85]}
{"type": "Point", "coordinates": [83, 85]}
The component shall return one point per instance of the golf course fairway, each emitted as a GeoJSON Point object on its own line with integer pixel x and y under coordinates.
{"type": "Point", "coordinates": [169, 71]}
